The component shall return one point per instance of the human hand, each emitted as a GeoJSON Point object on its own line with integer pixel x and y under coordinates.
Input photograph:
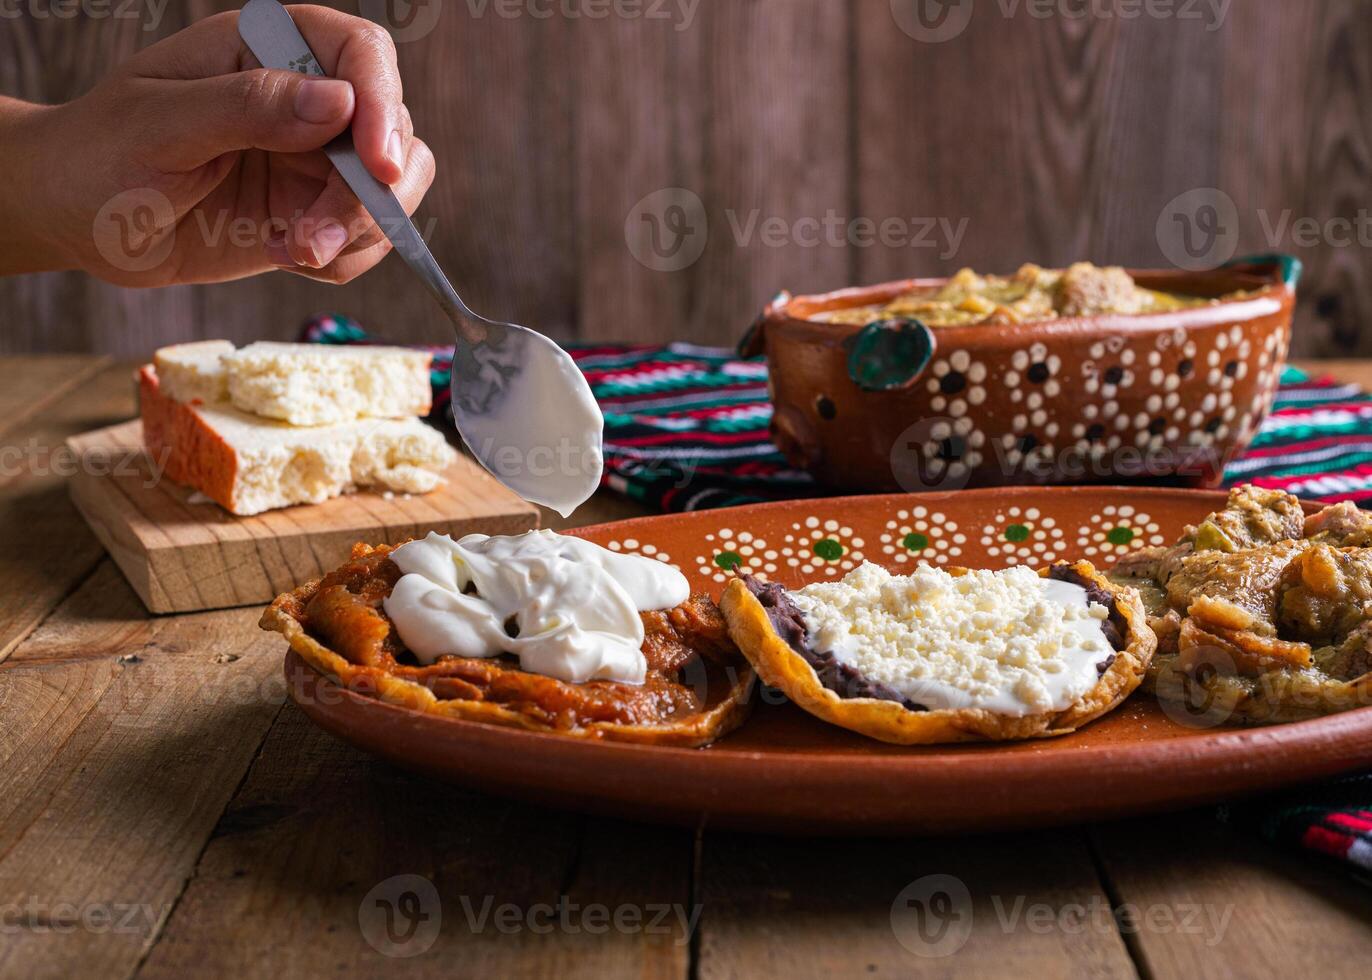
{"type": "Point", "coordinates": [190, 163]}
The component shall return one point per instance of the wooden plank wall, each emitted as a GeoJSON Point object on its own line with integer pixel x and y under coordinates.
{"type": "Point", "coordinates": [1025, 136]}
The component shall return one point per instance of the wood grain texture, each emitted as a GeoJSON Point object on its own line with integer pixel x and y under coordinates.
{"type": "Point", "coordinates": [34, 466]}
{"type": "Point", "coordinates": [1297, 156]}
{"type": "Point", "coordinates": [54, 56]}
{"type": "Point", "coordinates": [183, 556]}
{"type": "Point", "coordinates": [1035, 131]}
{"type": "Point", "coordinates": [1053, 138]}
{"type": "Point", "coordinates": [724, 106]}
{"type": "Point", "coordinates": [1207, 902]}
{"type": "Point", "coordinates": [120, 749]}
{"type": "Point", "coordinates": [318, 834]}
{"type": "Point", "coordinates": [841, 908]}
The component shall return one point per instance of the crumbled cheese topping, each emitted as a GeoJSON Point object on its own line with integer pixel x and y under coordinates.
{"type": "Point", "coordinates": [1007, 641]}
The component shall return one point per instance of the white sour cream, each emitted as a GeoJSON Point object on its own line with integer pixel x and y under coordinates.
{"type": "Point", "coordinates": [1006, 641]}
{"type": "Point", "coordinates": [574, 603]}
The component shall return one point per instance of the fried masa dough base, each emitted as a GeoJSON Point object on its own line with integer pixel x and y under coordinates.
{"type": "Point", "coordinates": [722, 714]}
{"type": "Point", "coordinates": [781, 667]}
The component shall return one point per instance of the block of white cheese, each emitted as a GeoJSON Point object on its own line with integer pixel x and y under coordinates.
{"type": "Point", "coordinates": [316, 384]}
{"type": "Point", "coordinates": [194, 372]}
{"type": "Point", "coordinates": [248, 464]}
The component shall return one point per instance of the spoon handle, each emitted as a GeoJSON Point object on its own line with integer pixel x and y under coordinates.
{"type": "Point", "coordinates": [271, 35]}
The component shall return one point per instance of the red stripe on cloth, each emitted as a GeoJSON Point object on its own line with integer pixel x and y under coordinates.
{"type": "Point", "coordinates": [756, 391]}
{"type": "Point", "coordinates": [1285, 482]}
{"type": "Point", "coordinates": [1359, 408]}
{"type": "Point", "coordinates": [695, 436]}
{"type": "Point", "coordinates": [1354, 495]}
{"type": "Point", "coordinates": [1282, 482]}
{"type": "Point", "coordinates": [1326, 841]}
{"type": "Point", "coordinates": [1351, 819]}
{"type": "Point", "coordinates": [1289, 448]}
{"type": "Point", "coordinates": [616, 350]}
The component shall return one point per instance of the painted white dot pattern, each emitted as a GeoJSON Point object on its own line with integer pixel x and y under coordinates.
{"type": "Point", "coordinates": [733, 553]}
{"type": "Point", "coordinates": [815, 545]}
{"type": "Point", "coordinates": [632, 546]}
{"type": "Point", "coordinates": [923, 537]}
{"type": "Point", "coordinates": [956, 384]}
{"type": "Point", "coordinates": [1118, 530]}
{"type": "Point", "coordinates": [1018, 535]}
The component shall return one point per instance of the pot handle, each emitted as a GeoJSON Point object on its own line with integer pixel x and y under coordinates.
{"type": "Point", "coordinates": [889, 354]}
{"type": "Point", "coordinates": [752, 343]}
{"type": "Point", "coordinates": [1289, 266]}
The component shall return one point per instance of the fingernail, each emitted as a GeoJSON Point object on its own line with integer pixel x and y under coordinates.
{"type": "Point", "coordinates": [395, 150]}
{"type": "Point", "coordinates": [322, 100]}
{"type": "Point", "coordinates": [327, 241]}
{"type": "Point", "coordinates": [277, 255]}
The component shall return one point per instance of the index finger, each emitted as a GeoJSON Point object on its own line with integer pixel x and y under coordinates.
{"type": "Point", "coordinates": [347, 47]}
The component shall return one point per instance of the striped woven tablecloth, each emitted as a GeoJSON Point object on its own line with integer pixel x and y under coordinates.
{"type": "Point", "coordinates": [686, 429]}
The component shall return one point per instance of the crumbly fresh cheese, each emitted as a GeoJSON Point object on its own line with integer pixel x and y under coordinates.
{"type": "Point", "coordinates": [574, 605]}
{"type": "Point", "coordinates": [279, 465]}
{"type": "Point", "coordinates": [313, 384]}
{"type": "Point", "coordinates": [1006, 641]}
{"type": "Point", "coordinates": [194, 372]}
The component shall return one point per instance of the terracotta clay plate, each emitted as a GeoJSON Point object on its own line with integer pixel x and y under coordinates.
{"type": "Point", "coordinates": [784, 771]}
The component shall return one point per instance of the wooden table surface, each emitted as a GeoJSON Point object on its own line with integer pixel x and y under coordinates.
{"type": "Point", "coordinates": [164, 811]}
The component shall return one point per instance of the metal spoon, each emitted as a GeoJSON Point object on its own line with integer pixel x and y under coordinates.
{"type": "Point", "coordinates": [522, 406]}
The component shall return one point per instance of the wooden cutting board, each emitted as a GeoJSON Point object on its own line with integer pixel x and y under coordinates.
{"type": "Point", "coordinates": [183, 553]}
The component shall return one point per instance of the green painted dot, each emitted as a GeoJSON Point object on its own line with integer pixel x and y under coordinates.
{"type": "Point", "coordinates": [828, 549]}
{"type": "Point", "coordinates": [915, 542]}
{"type": "Point", "coordinates": [728, 560]}
{"type": "Point", "coordinates": [1120, 535]}
{"type": "Point", "coordinates": [1017, 532]}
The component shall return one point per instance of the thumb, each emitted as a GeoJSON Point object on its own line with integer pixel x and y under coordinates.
{"type": "Point", "coordinates": [281, 111]}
